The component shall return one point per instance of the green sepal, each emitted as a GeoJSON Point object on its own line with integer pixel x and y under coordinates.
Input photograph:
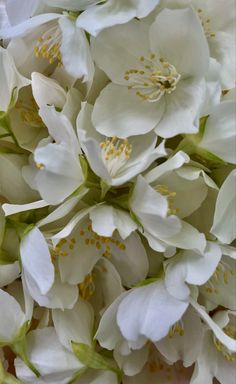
{"type": "Point", "coordinates": [71, 14]}
{"type": "Point", "coordinates": [92, 359]}
{"type": "Point", "coordinates": [104, 189]}
{"type": "Point", "coordinates": [22, 229]}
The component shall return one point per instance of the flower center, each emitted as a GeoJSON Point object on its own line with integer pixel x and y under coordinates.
{"type": "Point", "coordinates": [221, 275]}
{"type": "Point", "coordinates": [29, 113]}
{"type": "Point", "coordinates": [102, 244]}
{"type": "Point", "coordinates": [115, 153]}
{"type": "Point", "coordinates": [48, 45]}
{"type": "Point", "coordinates": [153, 79]}
{"type": "Point", "coordinates": [206, 23]}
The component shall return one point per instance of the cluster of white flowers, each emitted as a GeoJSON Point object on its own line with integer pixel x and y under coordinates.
{"type": "Point", "coordinates": [117, 191]}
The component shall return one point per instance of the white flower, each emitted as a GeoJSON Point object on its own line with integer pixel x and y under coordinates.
{"type": "Point", "coordinates": [177, 178]}
{"type": "Point", "coordinates": [158, 224]}
{"type": "Point", "coordinates": [116, 160]}
{"type": "Point", "coordinates": [11, 81]}
{"type": "Point", "coordinates": [80, 247]}
{"type": "Point", "coordinates": [224, 222]}
{"type": "Point", "coordinates": [158, 82]}
{"type": "Point", "coordinates": [57, 172]}
{"type": "Point", "coordinates": [56, 39]}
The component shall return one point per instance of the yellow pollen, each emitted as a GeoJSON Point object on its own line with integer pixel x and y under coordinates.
{"type": "Point", "coordinates": [40, 166]}
{"type": "Point", "coordinates": [87, 287]}
{"type": "Point", "coordinates": [164, 191]}
{"type": "Point", "coordinates": [153, 79]}
{"type": "Point", "coordinates": [48, 45]}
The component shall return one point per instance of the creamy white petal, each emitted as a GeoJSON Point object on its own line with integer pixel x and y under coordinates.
{"type": "Point", "coordinates": [36, 260]}
{"type": "Point", "coordinates": [75, 50]}
{"type": "Point", "coordinates": [173, 35]}
{"type": "Point", "coordinates": [118, 111]}
{"type": "Point", "coordinates": [11, 317]}
{"type": "Point", "coordinates": [224, 223]}
{"type": "Point", "coordinates": [47, 91]}
{"type": "Point", "coordinates": [159, 312]}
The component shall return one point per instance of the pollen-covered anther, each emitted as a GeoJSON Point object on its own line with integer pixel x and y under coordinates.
{"type": "Point", "coordinates": [40, 166]}
{"type": "Point", "coordinates": [228, 355]}
{"type": "Point", "coordinates": [164, 191]}
{"type": "Point", "coordinates": [206, 23]}
{"type": "Point", "coordinates": [48, 46]}
{"type": "Point", "coordinates": [115, 148]}
{"type": "Point", "coordinates": [176, 329]}
{"type": "Point", "coordinates": [87, 287]}
{"type": "Point", "coordinates": [153, 79]}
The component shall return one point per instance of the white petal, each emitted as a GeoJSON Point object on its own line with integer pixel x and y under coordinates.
{"type": "Point", "coordinates": [27, 25]}
{"type": "Point", "coordinates": [36, 260]}
{"type": "Point", "coordinates": [47, 91]}
{"type": "Point", "coordinates": [60, 128]}
{"type": "Point", "coordinates": [224, 223]}
{"type": "Point", "coordinates": [122, 46]}
{"type": "Point", "coordinates": [220, 134]}
{"type": "Point", "coordinates": [159, 311]}
{"type": "Point", "coordinates": [9, 273]}
{"type": "Point", "coordinates": [11, 209]}
{"type": "Point", "coordinates": [120, 112]}
{"type": "Point", "coordinates": [191, 268]}
{"type": "Point", "coordinates": [74, 324]}
{"type": "Point", "coordinates": [145, 200]}
{"type": "Point", "coordinates": [44, 350]}
{"type": "Point", "coordinates": [96, 18]}
{"type": "Point", "coordinates": [63, 209]}
{"type": "Point", "coordinates": [11, 80]}
{"type": "Point", "coordinates": [105, 219]}
{"type": "Point", "coordinates": [108, 333]}
{"type": "Point", "coordinates": [182, 109]}
{"type": "Point", "coordinates": [173, 36]}
{"type": "Point", "coordinates": [165, 168]}
{"type": "Point", "coordinates": [218, 332]}
{"type": "Point", "coordinates": [18, 14]}
{"type": "Point", "coordinates": [61, 173]}
{"type": "Point", "coordinates": [184, 347]}
{"type": "Point", "coordinates": [187, 238]}
{"type": "Point", "coordinates": [11, 317]}
{"type": "Point", "coordinates": [75, 50]}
